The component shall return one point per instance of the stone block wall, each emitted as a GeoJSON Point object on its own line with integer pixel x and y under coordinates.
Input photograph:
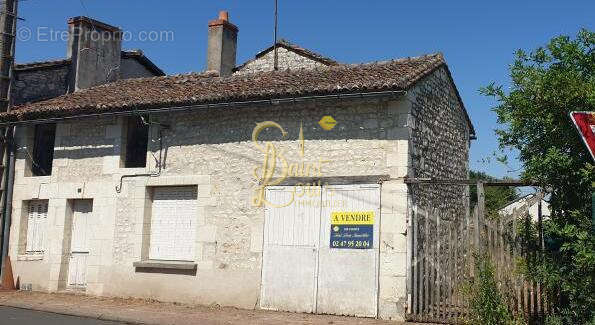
{"type": "Point", "coordinates": [439, 142]}
{"type": "Point", "coordinates": [51, 79]}
{"type": "Point", "coordinates": [288, 60]}
{"type": "Point", "coordinates": [210, 149]}
{"type": "Point", "coordinates": [42, 83]}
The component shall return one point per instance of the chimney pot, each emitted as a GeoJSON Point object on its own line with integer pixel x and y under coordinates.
{"type": "Point", "coordinates": [224, 15]}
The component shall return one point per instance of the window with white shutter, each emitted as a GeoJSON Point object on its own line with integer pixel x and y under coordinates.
{"type": "Point", "coordinates": [173, 223]}
{"type": "Point", "coordinates": [36, 226]}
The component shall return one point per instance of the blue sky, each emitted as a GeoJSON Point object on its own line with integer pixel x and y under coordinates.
{"type": "Point", "coordinates": [478, 38]}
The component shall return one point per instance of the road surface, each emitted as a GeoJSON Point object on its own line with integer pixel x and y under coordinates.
{"type": "Point", "coordinates": [16, 316]}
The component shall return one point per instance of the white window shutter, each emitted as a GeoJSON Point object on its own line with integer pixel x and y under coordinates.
{"type": "Point", "coordinates": [30, 227]}
{"type": "Point", "coordinates": [173, 223]}
{"type": "Point", "coordinates": [36, 226]}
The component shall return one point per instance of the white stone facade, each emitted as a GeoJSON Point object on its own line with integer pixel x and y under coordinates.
{"type": "Point", "coordinates": [212, 149]}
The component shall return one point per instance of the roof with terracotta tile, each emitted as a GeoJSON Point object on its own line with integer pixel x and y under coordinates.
{"type": "Point", "coordinates": [208, 88]}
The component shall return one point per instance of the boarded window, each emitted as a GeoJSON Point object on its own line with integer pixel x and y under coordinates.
{"type": "Point", "coordinates": [137, 139]}
{"type": "Point", "coordinates": [36, 226]}
{"type": "Point", "coordinates": [43, 149]}
{"type": "Point", "coordinates": [173, 223]}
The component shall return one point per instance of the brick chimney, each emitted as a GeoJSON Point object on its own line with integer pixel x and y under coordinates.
{"type": "Point", "coordinates": [223, 40]}
{"type": "Point", "coordinates": [95, 50]}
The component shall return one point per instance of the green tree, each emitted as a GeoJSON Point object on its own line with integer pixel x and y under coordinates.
{"type": "Point", "coordinates": [547, 84]}
{"type": "Point", "coordinates": [496, 197]}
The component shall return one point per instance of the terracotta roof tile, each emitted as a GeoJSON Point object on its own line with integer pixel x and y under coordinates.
{"type": "Point", "coordinates": [179, 90]}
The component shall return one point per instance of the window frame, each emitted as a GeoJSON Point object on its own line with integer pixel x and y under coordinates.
{"type": "Point", "coordinates": [42, 156]}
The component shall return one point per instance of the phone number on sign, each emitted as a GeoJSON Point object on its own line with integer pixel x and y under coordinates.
{"type": "Point", "coordinates": [350, 243]}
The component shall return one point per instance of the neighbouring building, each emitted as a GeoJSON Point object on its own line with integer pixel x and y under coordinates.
{"type": "Point", "coordinates": [531, 203]}
{"type": "Point", "coordinates": [92, 59]}
{"type": "Point", "coordinates": [240, 186]}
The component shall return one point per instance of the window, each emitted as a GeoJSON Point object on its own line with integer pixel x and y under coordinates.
{"type": "Point", "coordinates": [173, 223]}
{"type": "Point", "coordinates": [43, 149]}
{"type": "Point", "coordinates": [36, 226]}
{"type": "Point", "coordinates": [137, 139]}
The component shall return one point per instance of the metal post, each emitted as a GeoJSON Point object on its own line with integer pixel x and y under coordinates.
{"type": "Point", "coordinates": [276, 54]}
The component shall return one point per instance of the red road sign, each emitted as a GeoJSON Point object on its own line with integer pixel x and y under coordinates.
{"type": "Point", "coordinates": [585, 124]}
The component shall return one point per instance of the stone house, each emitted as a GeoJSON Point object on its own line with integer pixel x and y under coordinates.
{"type": "Point", "coordinates": [240, 186]}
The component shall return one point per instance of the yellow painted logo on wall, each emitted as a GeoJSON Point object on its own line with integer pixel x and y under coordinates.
{"type": "Point", "coordinates": [352, 218]}
{"type": "Point", "coordinates": [327, 122]}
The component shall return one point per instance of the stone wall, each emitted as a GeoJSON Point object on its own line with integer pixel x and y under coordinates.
{"type": "Point", "coordinates": [210, 149]}
{"type": "Point", "coordinates": [45, 82]}
{"type": "Point", "coordinates": [287, 60]}
{"type": "Point", "coordinates": [42, 83]}
{"type": "Point", "coordinates": [439, 142]}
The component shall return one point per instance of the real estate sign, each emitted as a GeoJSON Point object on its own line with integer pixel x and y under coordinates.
{"type": "Point", "coordinates": [352, 230]}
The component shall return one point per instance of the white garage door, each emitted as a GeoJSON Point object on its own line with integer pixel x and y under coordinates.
{"type": "Point", "coordinates": [348, 273]}
{"type": "Point", "coordinates": [289, 255]}
{"type": "Point", "coordinates": [173, 223]}
{"type": "Point", "coordinates": [305, 268]}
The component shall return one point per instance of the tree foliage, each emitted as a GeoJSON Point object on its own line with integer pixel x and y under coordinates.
{"type": "Point", "coordinates": [546, 85]}
{"type": "Point", "coordinates": [496, 197]}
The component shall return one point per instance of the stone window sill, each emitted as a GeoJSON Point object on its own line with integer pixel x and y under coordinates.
{"type": "Point", "coordinates": [30, 257]}
{"type": "Point", "coordinates": [171, 265]}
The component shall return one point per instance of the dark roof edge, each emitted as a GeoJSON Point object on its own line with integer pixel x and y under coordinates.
{"type": "Point", "coordinates": [133, 54]}
{"type": "Point", "coordinates": [300, 50]}
{"type": "Point", "coordinates": [42, 65]}
{"type": "Point", "coordinates": [93, 22]}
{"type": "Point", "coordinates": [144, 60]}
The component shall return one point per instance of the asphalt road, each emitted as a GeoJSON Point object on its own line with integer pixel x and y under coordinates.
{"type": "Point", "coordinates": [15, 316]}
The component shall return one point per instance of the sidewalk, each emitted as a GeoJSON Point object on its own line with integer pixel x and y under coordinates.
{"type": "Point", "coordinates": [138, 311]}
